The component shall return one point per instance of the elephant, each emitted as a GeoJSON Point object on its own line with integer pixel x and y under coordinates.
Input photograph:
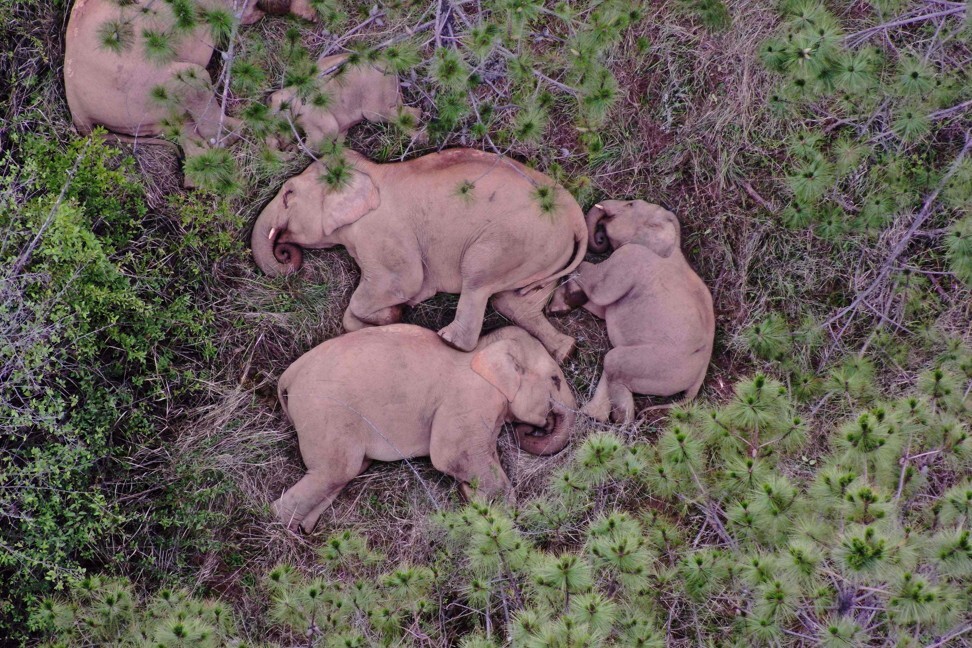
{"type": "Point", "coordinates": [111, 81]}
{"type": "Point", "coordinates": [395, 392]}
{"type": "Point", "coordinates": [355, 93]}
{"type": "Point", "coordinates": [459, 221]}
{"type": "Point", "coordinates": [659, 313]}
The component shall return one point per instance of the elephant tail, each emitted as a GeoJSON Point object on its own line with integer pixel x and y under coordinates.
{"type": "Point", "coordinates": [282, 385]}
{"type": "Point", "coordinates": [580, 249]}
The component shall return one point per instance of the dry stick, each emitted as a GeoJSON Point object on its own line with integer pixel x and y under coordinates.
{"type": "Point", "coordinates": [391, 41]}
{"type": "Point", "coordinates": [348, 34]}
{"type": "Point", "coordinates": [24, 257]}
{"type": "Point", "coordinates": [902, 245]}
{"type": "Point", "coordinates": [934, 116]}
{"type": "Point", "coordinates": [227, 72]}
{"type": "Point", "coordinates": [947, 638]}
{"type": "Point", "coordinates": [759, 199]}
{"type": "Point", "coordinates": [540, 75]}
{"type": "Point", "coordinates": [864, 34]}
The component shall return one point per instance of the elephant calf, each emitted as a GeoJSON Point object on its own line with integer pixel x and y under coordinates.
{"type": "Point", "coordinates": [460, 221]}
{"type": "Point", "coordinates": [396, 392]}
{"type": "Point", "coordinates": [110, 73]}
{"type": "Point", "coordinates": [354, 94]}
{"type": "Point", "coordinates": [658, 312]}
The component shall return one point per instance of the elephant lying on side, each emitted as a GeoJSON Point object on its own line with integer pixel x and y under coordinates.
{"type": "Point", "coordinates": [109, 77]}
{"type": "Point", "coordinates": [354, 94]}
{"type": "Point", "coordinates": [658, 312]}
{"type": "Point", "coordinates": [397, 392]}
{"type": "Point", "coordinates": [460, 221]}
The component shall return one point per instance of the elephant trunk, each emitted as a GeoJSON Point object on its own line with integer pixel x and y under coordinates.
{"type": "Point", "coordinates": [274, 7]}
{"type": "Point", "coordinates": [553, 437]}
{"type": "Point", "coordinates": [597, 240]}
{"type": "Point", "coordinates": [273, 257]}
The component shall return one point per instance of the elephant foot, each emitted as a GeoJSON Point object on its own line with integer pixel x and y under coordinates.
{"type": "Point", "coordinates": [454, 336]}
{"type": "Point", "coordinates": [621, 415]}
{"type": "Point", "coordinates": [562, 349]}
{"type": "Point", "coordinates": [286, 516]}
{"type": "Point", "coordinates": [558, 303]}
{"type": "Point", "coordinates": [597, 411]}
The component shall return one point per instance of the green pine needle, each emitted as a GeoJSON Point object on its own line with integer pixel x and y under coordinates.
{"type": "Point", "coordinates": [116, 36]}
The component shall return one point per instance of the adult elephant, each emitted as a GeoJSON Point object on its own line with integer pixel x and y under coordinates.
{"type": "Point", "coordinates": [460, 221]}
{"type": "Point", "coordinates": [396, 392]}
{"type": "Point", "coordinates": [118, 54]}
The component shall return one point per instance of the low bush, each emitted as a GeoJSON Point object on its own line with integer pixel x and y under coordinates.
{"type": "Point", "coordinates": [736, 527]}
{"type": "Point", "coordinates": [101, 337]}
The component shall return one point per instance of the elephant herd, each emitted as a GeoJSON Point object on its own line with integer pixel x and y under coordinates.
{"type": "Point", "coordinates": [460, 221]}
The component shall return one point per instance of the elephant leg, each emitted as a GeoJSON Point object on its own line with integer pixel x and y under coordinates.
{"type": "Point", "coordinates": [372, 305]}
{"type": "Point", "coordinates": [304, 502]}
{"type": "Point", "coordinates": [646, 369]}
{"type": "Point", "coordinates": [622, 402]}
{"type": "Point", "coordinates": [526, 311]}
{"type": "Point", "coordinates": [319, 128]}
{"type": "Point", "coordinates": [599, 407]}
{"type": "Point", "coordinates": [390, 277]}
{"type": "Point", "coordinates": [463, 332]}
{"type": "Point", "coordinates": [479, 473]}
{"type": "Point", "coordinates": [199, 100]}
{"type": "Point", "coordinates": [318, 510]}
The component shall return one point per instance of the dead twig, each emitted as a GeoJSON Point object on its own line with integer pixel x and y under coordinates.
{"type": "Point", "coordinates": [888, 265]}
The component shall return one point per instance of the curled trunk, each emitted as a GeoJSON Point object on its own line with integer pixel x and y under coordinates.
{"type": "Point", "coordinates": [597, 240]}
{"type": "Point", "coordinates": [550, 439]}
{"type": "Point", "coordinates": [273, 257]}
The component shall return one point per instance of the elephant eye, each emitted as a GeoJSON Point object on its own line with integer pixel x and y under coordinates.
{"type": "Point", "coordinates": [556, 381]}
{"type": "Point", "coordinates": [286, 196]}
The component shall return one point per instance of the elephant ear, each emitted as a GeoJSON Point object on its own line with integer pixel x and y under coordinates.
{"type": "Point", "coordinates": [498, 365]}
{"type": "Point", "coordinates": [346, 204]}
{"type": "Point", "coordinates": [665, 233]}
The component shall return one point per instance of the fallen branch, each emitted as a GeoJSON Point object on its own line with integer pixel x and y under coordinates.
{"type": "Point", "coordinates": [860, 36]}
{"type": "Point", "coordinates": [888, 265]}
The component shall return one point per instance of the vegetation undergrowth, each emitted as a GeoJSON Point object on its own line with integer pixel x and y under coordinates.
{"type": "Point", "coordinates": [818, 156]}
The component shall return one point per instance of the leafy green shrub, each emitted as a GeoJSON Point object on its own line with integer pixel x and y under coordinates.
{"type": "Point", "coordinates": [99, 327]}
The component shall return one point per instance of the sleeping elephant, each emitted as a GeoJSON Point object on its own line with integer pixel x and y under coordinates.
{"type": "Point", "coordinates": [396, 392]}
{"type": "Point", "coordinates": [658, 312]}
{"type": "Point", "coordinates": [110, 77]}
{"type": "Point", "coordinates": [353, 94]}
{"type": "Point", "coordinates": [461, 221]}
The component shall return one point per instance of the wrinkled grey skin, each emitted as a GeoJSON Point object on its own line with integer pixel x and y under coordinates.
{"type": "Point", "coordinates": [395, 392]}
{"type": "Point", "coordinates": [658, 312]}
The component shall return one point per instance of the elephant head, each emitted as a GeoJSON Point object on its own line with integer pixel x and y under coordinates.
{"type": "Point", "coordinates": [613, 223]}
{"type": "Point", "coordinates": [305, 213]}
{"type": "Point", "coordinates": [541, 403]}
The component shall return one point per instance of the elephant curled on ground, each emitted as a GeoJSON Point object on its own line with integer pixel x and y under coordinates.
{"type": "Point", "coordinates": [658, 312]}
{"type": "Point", "coordinates": [396, 392]}
{"type": "Point", "coordinates": [353, 93]}
{"type": "Point", "coordinates": [109, 78]}
{"type": "Point", "coordinates": [461, 221]}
